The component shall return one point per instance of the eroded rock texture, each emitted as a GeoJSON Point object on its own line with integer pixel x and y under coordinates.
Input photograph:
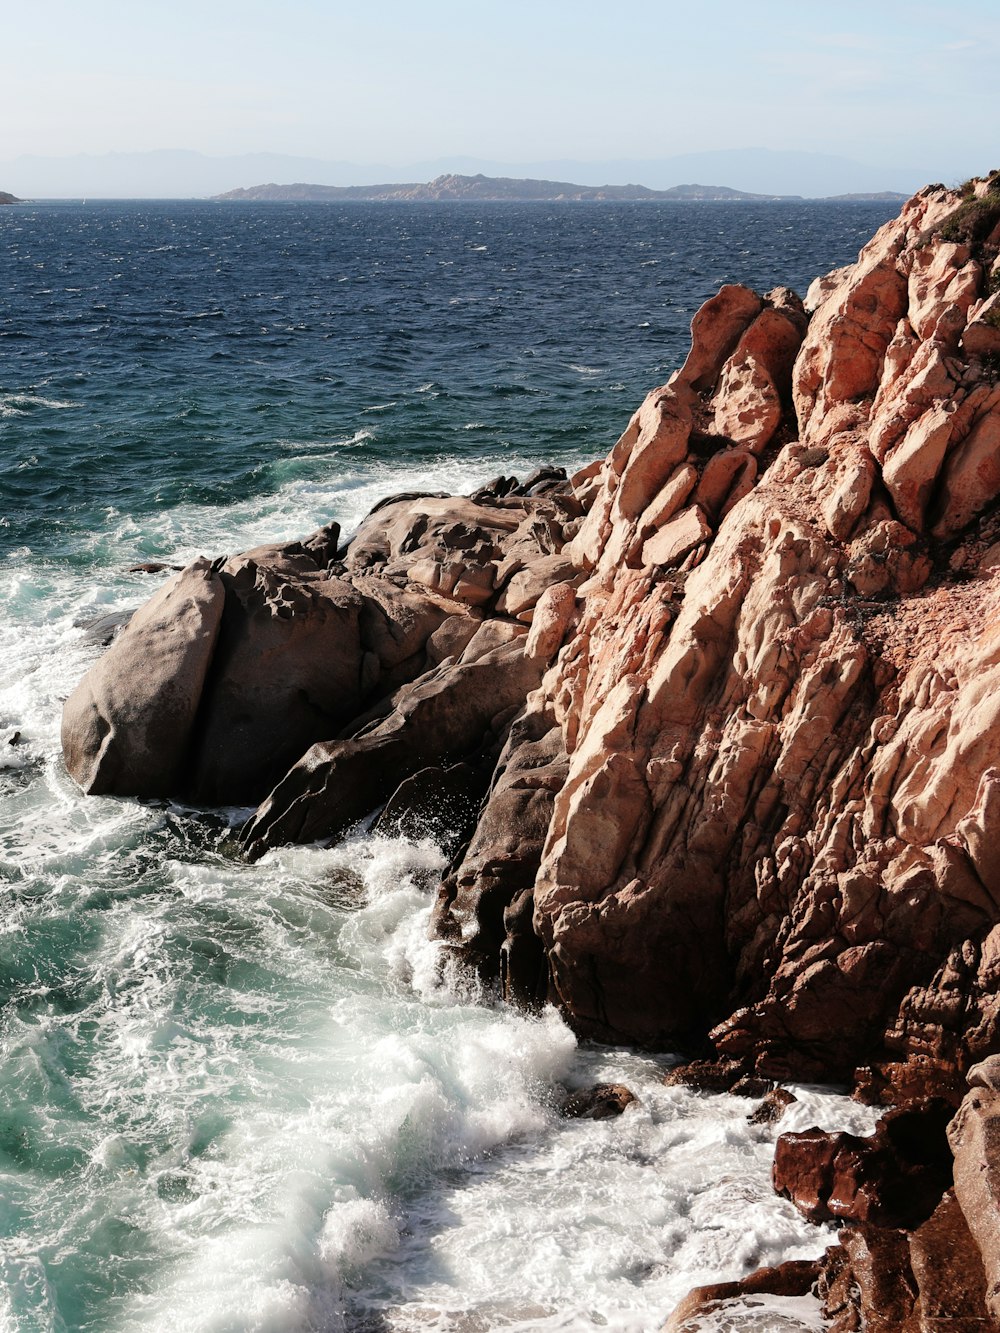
{"type": "Point", "coordinates": [777, 692]}
{"type": "Point", "coordinates": [715, 725]}
{"type": "Point", "coordinates": [730, 695]}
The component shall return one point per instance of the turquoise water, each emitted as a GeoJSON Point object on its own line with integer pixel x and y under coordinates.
{"type": "Point", "coordinates": [245, 1097]}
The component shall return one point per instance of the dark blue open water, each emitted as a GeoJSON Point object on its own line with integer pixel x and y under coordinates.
{"type": "Point", "coordinates": [240, 1098]}
{"type": "Point", "coordinates": [201, 350]}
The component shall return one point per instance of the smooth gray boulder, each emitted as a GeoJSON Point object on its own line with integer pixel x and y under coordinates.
{"type": "Point", "coordinates": [126, 727]}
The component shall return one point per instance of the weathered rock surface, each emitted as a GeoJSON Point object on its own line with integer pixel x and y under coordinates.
{"type": "Point", "coordinates": [445, 715]}
{"type": "Point", "coordinates": [895, 1178]}
{"type": "Point", "coordinates": [975, 1138]}
{"type": "Point", "coordinates": [127, 726]}
{"type": "Point", "coordinates": [285, 669]}
{"type": "Point", "coordinates": [486, 901]}
{"type": "Point", "coordinates": [730, 697]}
{"type": "Point", "coordinates": [880, 1280]}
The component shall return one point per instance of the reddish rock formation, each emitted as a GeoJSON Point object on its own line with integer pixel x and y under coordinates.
{"type": "Point", "coordinates": [895, 1178]}
{"type": "Point", "coordinates": [751, 792]}
{"type": "Point", "coordinates": [975, 1138]}
{"type": "Point", "coordinates": [879, 1280]}
{"type": "Point", "coordinates": [919, 1256]}
{"type": "Point", "coordinates": [735, 693]}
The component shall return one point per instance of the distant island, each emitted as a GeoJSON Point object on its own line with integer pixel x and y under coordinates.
{"type": "Point", "coordinates": [502, 189]}
{"type": "Point", "coordinates": [8, 198]}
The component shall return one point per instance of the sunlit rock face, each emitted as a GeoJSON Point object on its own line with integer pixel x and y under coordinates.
{"type": "Point", "coordinates": [777, 693]}
{"type": "Point", "coordinates": [725, 702]}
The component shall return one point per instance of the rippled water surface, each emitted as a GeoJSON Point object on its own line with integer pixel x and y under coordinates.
{"type": "Point", "coordinates": [245, 1097]}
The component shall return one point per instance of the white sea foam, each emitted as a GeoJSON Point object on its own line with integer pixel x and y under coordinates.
{"type": "Point", "coordinates": [257, 1098]}
{"type": "Point", "coordinates": [297, 506]}
{"type": "Point", "coordinates": [303, 449]}
{"type": "Point", "coordinates": [20, 404]}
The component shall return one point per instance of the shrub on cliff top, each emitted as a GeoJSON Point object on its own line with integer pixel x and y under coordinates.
{"type": "Point", "coordinates": [973, 220]}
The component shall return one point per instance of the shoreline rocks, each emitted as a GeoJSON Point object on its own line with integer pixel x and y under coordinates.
{"type": "Point", "coordinates": [731, 697]}
{"type": "Point", "coordinates": [731, 693]}
{"type": "Point", "coordinates": [919, 1253]}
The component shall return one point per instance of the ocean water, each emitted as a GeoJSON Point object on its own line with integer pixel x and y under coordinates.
{"type": "Point", "coordinates": [247, 1097]}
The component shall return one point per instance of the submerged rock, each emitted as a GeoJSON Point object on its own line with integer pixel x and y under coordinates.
{"type": "Point", "coordinates": [601, 1102]}
{"type": "Point", "coordinates": [773, 1106]}
{"type": "Point", "coordinates": [706, 1308]}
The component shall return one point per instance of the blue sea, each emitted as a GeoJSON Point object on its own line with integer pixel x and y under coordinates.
{"type": "Point", "coordinates": [243, 1097]}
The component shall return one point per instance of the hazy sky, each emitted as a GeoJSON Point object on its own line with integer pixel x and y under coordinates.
{"type": "Point", "coordinates": [395, 81]}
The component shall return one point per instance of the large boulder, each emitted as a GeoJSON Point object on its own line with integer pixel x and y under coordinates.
{"type": "Point", "coordinates": [288, 671]}
{"type": "Point", "coordinates": [127, 727]}
{"type": "Point", "coordinates": [894, 1178]}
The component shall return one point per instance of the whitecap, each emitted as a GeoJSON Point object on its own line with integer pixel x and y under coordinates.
{"type": "Point", "coordinates": [303, 447]}
{"type": "Point", "coordinates": [17, 404]}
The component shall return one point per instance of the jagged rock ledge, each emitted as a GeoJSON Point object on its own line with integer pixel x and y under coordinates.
{"type": "Point", "coordinates": [717, 719]}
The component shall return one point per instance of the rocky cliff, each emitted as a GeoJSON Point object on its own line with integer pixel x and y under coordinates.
{"type": "Point", "coordinates": [716, 721]}
{"type": "Point", "coordinates": [733, 688]}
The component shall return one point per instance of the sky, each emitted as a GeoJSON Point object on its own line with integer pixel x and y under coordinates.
{"type": "Point", "coordinates": [393, 82]}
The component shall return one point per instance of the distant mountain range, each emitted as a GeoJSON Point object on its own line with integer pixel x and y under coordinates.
{"type": "Point", "coordinates": [183, 174]}
{"type": "Point", "coordinates": [506, 189]}
{"type": "Point", "coordinates": [8, 198]}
